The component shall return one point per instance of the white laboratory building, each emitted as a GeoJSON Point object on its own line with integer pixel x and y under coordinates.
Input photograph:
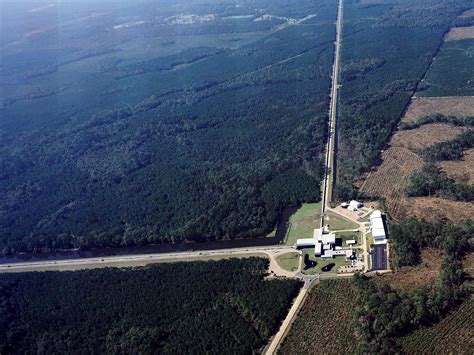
{"type": "Point", "coordinates": [377, 227]}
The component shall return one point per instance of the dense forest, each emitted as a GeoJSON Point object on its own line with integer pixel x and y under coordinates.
{"type": "Point", "coordinates": [193, 307]}
{"type": "Point", "coordinates": [191, 122]}
{"type": "Point", "coordinates": [383, 314]}
{"type": "Point", "coordinates": [387, 48]}
{"type": "Point", "coordinates": [451, 73]}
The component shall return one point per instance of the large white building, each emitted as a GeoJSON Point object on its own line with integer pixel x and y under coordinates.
{"type": "Point", "coordinates": [377, 227]}
{"type": "Point", "coordinates": [324, 244]}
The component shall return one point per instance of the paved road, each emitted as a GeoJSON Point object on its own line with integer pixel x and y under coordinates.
{"type": "Point", "coordinates": [271, 251]}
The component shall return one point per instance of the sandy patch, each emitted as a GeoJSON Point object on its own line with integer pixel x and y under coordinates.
{"type": "Point", "coordinates": [468, 13]}
{"type": "Point", "coordinates": [459, 106]}
{"type": "Point", "coordinates": [458, 33]}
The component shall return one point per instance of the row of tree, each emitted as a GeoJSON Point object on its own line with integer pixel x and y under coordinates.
{"type": "Point", "coordinates": [181, 308]}
{"type": "Point", "coordinates": [383, 313]}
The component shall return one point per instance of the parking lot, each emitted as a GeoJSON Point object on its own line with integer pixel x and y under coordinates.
{"type": "Point", "coordinates": [378, 256]}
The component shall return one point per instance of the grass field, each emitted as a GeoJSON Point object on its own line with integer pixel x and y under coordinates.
{"type": "Point", "coordinates": [323, 325]}
{"type": "Point", "coordinates": [134, 263]}
{"type": "Point", "coordinates": [289, 261]}
{"type": "Point", "coordinates": [303, 222]}
{"type": "Point", "coordinates": [337, 222]}
{"type": "Point", "coordinates": [338, 261]}
{"type": "Point", "coordinates": [453, 335]}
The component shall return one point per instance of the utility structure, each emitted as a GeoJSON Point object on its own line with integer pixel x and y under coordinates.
{"type": "Point", "coordinates": [330, 166]}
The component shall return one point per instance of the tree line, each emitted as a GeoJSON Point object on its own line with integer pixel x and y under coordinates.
{"type": "Point", "coordinates": [382, 313]}
{"type": "Point", "coordinates": [179, 308]}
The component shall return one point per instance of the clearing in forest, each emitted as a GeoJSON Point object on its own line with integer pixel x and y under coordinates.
{"type": "Point", "coordinates": [460, 170]}
{"type": "Point", "coordinates": [434, 208]}
{"type": "Point", "coordinates": [425, 136]}
{"type": "Point", "coordinates": [407, 278]}
{"type": "Point", "coordinates": [459, 106]}
{"type": "Point", "coordinates": [400, 160]}
{"type": "Point", "coordinates": [323, 325]}
{"type": "Point", "coordinates": [458, 33]}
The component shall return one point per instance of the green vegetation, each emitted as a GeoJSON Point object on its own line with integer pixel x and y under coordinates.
{"type": "Point", "coordinates": [431, 180]}
{"type": "Point", "coordinates": [450, 150]}
{"type": "Point", "coordinates": [452, 120]}
{"type": "Point", "coordinates": [160, 131]}
{"type": "Point", "coordinates": [410, 237]}
{"type": "Point", "coordinates": [133, 263]}
{"type": "Point", "coordinates": [323, 324]}
{"type": "Point", "coordinates": [337, 222]}
{"type": "Point", "coordinates": [386, 50]}
{"type": "Point", "coordinates": [383, 314]}
{"type": "Point", "coordinates": [303, 222]}
{"type": "Point", "coordinates": [197, 307]}
{"type": "Point", "coordinates": [319, 263]}
{"type": "Point", "coordinates": [453, 335]}
{"type": "Point", "coordinates": [451, 73]}
{"type": "Point", "coordinates": [289, 261]}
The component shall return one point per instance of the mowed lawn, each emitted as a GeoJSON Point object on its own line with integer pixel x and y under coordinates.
{"type": "Point", "coordinates": [289, 261]}
{"type": "Point", "coordinates": [303, 222]}
{"type": "Point", "coordinates": [320, 263]}
{"type": "Point", "coordinates": [337, 222]}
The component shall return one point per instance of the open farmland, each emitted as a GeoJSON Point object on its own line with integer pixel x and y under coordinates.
{"type": "Point", "coordinates": [460, 170]}
{"type": "Point", "coordinates": [459, 33]}
{"type": "Point", "coordinates": [453, 335]}
{"type": "Point", "coordinates": [323, 325]}
{"type": "Point", "coordinates": [459, 106]}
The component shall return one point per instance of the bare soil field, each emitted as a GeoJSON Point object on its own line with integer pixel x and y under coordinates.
{"type": "Point", "coordinates": [458, 33]}
{"type": "Point", "coordinates": [460, 170]}
{"type": "Point", "coordinates": [409, 278]}
{"type": "Point", "coordinates": [389, 179]}
{"type": "Point", "coordinates": [467, 13]}
{"type": "Point", "coordinates": [459, 106]}
{"type": "Point", "coordinates": [434, 208]}
{"type": "Point", "coordinates": [400, 161]}
{"type": "Point", "coordinates": [425, 136]}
